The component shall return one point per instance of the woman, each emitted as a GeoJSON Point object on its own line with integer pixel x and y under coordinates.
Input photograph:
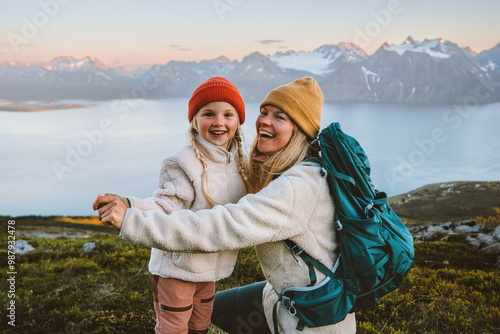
{"type": "Point", "coordinates": [290, 200]}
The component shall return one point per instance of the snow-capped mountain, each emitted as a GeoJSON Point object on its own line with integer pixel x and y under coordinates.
{"type": "Point", "coordinates": [429, 71]}
{"type": "Point", "coordinates": [14, 64]}
{"type": "Point", "coordinates": [178, 78]}
{"type": "Point", "coordinates": [254, 75]}
{"type": "Point", "coordinates": [322, 61]}
{"type": "Point", "coordinates": [437, 48]}
{"type": "Point", "coordinates": [67, 67]}
{"type": "Point", "coordinates": [86, 64]}
{"type": "Point", "coordinates": [257, 74]}
{"type": "Point", "coordinates": [490, 61]}
{"type": "Point", "coordinates": [63, 77]}
{"type": "Point", "coordinates": [59, 63]}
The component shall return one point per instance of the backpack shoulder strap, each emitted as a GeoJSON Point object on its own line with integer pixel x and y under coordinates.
{"type": "Point", "coordinates": [310, 163]}
{"type": "Point", "coordinates": [311, 262]}
{"type": "Point", "coordinates": [296, 250]}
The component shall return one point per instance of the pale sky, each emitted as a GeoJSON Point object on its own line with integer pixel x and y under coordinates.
{"type": "Point", "coordinates": [141, 33]}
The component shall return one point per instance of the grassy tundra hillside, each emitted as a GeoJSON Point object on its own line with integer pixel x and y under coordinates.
{"type": "Point", "coordinates": [451, 201]}
{"type": "Point", "coordinates": [79, 277]}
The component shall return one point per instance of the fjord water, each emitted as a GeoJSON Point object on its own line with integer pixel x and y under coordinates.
{"type": "Point", "coordinates": [56, 162]}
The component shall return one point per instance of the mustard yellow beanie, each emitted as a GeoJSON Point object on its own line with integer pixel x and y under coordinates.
{"type": "Point", "coordinates": [302, 100]}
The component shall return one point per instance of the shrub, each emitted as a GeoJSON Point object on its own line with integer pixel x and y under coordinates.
{"type": "Point", "coordinates": [492, 220]}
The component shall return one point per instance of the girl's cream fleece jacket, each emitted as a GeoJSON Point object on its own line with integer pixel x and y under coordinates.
{"type": "Point", "coordinates": [296, 206]}
{"type": "Point", "coordinates": [180, 187]}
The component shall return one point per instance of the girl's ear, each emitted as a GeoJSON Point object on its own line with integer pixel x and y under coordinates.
{"type": "Point", "coordinates": [194, 123]}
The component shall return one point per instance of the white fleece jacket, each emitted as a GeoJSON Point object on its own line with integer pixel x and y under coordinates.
{"type": "Point", "coordinates": [180, 187]}
{"type": "Point", "coordinates": [296, 206]}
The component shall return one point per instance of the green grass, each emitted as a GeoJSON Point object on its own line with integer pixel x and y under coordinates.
{"type": "Point", "coordinates": [60, 289]}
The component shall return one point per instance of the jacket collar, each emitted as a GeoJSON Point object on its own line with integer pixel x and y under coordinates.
{"type": "Point", "coordinates": [216, 153]}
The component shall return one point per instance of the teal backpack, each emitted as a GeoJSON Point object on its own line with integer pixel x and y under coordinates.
{"type": "Point", "coordinates": [376, 248]}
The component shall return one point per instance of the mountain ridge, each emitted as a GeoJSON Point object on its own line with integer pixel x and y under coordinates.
{"type": "Point", "coordinates": [429, 71]}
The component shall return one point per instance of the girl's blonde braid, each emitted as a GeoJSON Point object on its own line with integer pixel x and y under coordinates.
{"type": "Point", "coordinates": [241, 163]}
{"type": "Point", "coordinates": [204, 184]}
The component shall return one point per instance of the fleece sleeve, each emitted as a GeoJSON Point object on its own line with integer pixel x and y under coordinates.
{"type": "Point", "coordinates": [176, 190]}
{"type": "Point", "coordinates": [279, 211]}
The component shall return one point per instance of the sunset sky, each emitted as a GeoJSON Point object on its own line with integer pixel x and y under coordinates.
{"type": "Point", "coordinates": [141, 33]}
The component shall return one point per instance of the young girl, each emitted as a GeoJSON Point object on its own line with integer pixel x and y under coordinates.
{"type": "Point", "coordinates": [207, 172]}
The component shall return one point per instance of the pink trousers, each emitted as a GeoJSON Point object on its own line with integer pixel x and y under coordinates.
{"type": "Point", "coordinates": [182, 307]}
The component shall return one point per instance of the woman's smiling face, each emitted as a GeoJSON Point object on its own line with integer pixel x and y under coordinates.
{"type": "Point", "coordinates": [274, 129]}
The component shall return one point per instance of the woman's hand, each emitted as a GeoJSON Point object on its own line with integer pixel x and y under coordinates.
{"type": "Point", "coordinates": [111, 210]}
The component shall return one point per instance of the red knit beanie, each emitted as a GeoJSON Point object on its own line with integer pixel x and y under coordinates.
{"type": "Point", "coordinates": [216, 89]}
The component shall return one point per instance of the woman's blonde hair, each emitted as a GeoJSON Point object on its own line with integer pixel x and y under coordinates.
{"type": "Point", "coordinates": [193, 136]}
{"type": "Point", "coordinates": [262, 173]}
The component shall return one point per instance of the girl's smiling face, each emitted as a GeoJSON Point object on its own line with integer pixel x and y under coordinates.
{"type": "Point", "coordinates": [274, 129]}
{"type": "Point", "coordinates": [217, 122]}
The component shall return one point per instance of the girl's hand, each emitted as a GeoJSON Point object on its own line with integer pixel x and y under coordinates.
{"type": "Point", "coordinates": [111, 210]}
